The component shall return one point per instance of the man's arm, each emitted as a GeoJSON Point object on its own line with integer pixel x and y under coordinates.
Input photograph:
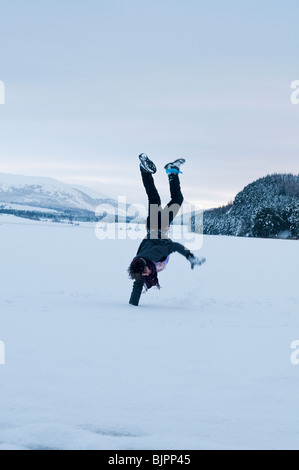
{"type": "Point", "coordinates": [181, 249]}
{"type": "Point", "coordinates": [194, 260]}
{"type": "Point", "coordinates": [136, 292]}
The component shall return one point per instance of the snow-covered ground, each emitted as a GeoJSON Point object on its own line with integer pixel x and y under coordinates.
{"type": "Point", "coordinates": [202, 364]}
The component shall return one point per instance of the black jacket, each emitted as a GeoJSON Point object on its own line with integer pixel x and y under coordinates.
{"type": "Point", "coordinates": [155, 250]}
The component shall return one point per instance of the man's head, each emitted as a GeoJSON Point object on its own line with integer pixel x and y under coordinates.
{"type": "Point", "coordinates": [138, 269]}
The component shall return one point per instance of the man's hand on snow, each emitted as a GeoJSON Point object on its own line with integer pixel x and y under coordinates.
{"type": "Point", "coordinates": [195, 261]}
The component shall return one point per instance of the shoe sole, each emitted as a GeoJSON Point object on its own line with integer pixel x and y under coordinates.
{"type": "Point", "coordinates": [175, 164]}
{"type": "Point", "coordinates": [147, 164]}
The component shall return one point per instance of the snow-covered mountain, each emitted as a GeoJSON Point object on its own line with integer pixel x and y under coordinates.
{"type": "Point", "coordinates": [268, 207]}
{"type": "Point", "coordinates": [43, 192]}
{"type": "Point", "coordinates": [38, 197]}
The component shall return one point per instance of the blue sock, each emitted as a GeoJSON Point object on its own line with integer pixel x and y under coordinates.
{"type": "Point", "coordinates": [173, 171]}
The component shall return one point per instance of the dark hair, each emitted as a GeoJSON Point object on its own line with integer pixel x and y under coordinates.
{"type": "Point", "coordinates": [136, 268]}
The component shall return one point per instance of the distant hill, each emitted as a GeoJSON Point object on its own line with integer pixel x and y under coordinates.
{"type": "Point", "coordinates": [41, 197]}
{"type": "Point", "coordinates": [268, 208]}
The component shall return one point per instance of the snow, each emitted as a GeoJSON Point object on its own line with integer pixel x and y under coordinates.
{"type": "Point", "coordinates": [202, 364]}
{"type": "Point", "coordinates": [285, 234]}
{"type": "Point", "coordinates": [21, 207]}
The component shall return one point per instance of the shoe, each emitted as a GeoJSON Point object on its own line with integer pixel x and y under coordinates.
{"type": "Point", "coordinates": [146, 164]}
{"type": "Point", "coordinates": [174, 166]}
{"type": "Point", "coordinates": [194, 261]}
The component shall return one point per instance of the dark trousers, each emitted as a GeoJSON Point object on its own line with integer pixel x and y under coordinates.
{"type": "Point", "coordinates": [159, 219]}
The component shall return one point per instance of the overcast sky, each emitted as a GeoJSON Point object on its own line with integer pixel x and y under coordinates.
{"type": "Point", "coordinates": [91, 84]}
